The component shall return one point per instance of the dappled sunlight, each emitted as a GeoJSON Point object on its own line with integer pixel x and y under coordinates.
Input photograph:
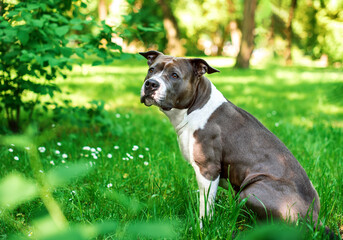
{"type": "Point", "coordinates": [295, 96]}
{"type": "Point", "coordinates": [219, 62]}
{"type": "Point", "coordinates": [330, 109]}
{"type": "Point", "coordinates": [301, 121]}
{"type": "Point", "coordinates": [315, 76]}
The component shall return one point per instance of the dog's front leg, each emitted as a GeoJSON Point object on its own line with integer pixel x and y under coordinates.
{"type": "Point", "coordinates": [208, 191]}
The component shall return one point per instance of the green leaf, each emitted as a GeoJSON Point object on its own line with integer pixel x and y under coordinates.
{"type": "Point", "coordinates": [67, 52]}
{"type": "Point", "coordinates": [23, 36]}
{"type": "Point", "coordinates": [53, 62]}
{"type": "Point", "coordinates": [16, 189]}
{"type": "Point", "coordinates": [32, 6]}
{"type": "Point", "coordinates": [96, 63]}
{"type": "Point", "coordinates": [60, 31]}
{"type": "Point", "coordinates": [78, 27]}
{"type": "Point", "coordinates": [64, 174]}
{"type": "Point", "coordinates": [147, 29]}
{"type": "Point", "coordinates": [80, 52]}
{"type": "Point", "coordinates": [37, 23]}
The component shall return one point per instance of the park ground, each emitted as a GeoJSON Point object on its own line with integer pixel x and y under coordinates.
{"type": "Point", "coordinates": [135, 171]}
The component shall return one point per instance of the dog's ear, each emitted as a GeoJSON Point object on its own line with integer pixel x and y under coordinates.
{"type": "Point", "coordinates": [201, 67]}
{"type": "Point", "coordinates": [151, 55]}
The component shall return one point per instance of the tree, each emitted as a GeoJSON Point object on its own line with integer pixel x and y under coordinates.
{"type": "Point", "coordinates": [102, 10]}
{"type": "Point", "coordinates": [248, 26]}
{"type": "Point", "coordinates": [174, 45]}
{"type": "Point", "coordinates": [289, 33]}
{"type": "Point", "coordinates": [235, 32]}
{"type": "Point", "coordinates": [143, 24]}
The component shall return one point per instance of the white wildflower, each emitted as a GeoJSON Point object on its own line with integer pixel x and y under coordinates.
{"type": "Point", "coordinates": [109, 155]}
{"type": "Point", "coordinates": [116, 147]}
{"type": "Point", "coordinates": [117, 115]}
{"type": "Point", "coordinates": [41, 171]}
{"type": "Point", "coordinates": [146, 163]}
{"type": "Point", "coordinates": [93, 150]}
{"type": "Point", "coordinates": [59, 144]}
{"type": "Point", "coordinates": [64, 155]}
{"type": "Point", "coordinates": [135, 148]}
{"type": "Point", "coordinates": [109, 185]}
{"type": "Point", "coordinates": [41, 149]}
{"type": "Point", "coordinates": [27, 148]}
{"type": "Point", "coordinates": [87, 148]}
{"type": "Point", "coordinates": [57, 152]}
{"type": "Point", "coordinates": [63, 161]}
{"type": "Point", "coordinates": [140, 156]}
{"type": "Point", "coordinates": [10, 150]}
{"type": "Point", "coordinates": [147, 149]}
{"type": "Point", "coordinates": [99, 149]}
{"type": "Point", "coordinates": [52, 162]}
{"type": "Point", "coordinates": [16, 158]}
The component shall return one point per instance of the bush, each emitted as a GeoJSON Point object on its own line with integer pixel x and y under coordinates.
{"type": "Point", "coordinates": [38, 41]}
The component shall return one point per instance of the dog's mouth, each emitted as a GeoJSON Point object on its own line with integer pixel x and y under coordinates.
{"type": "Point", "coordinates": [149, 100]}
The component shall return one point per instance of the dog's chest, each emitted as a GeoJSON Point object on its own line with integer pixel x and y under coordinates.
{"type": "Point", "coordinates": [186, 143]}
{"type": "Point", "coordinates": [186, 124]}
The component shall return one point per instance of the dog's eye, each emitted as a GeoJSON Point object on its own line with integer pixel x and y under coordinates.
{"type": "Point", "coordinates": [174, 75]}
{"type": "Point", "coordinates": [151, 70]}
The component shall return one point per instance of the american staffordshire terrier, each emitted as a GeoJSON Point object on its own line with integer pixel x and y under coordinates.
{"type": "Point", "coordinates": [223, 142]}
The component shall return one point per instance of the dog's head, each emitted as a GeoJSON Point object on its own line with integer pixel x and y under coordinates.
{"type": "Point", "coordinates": [171, 82]}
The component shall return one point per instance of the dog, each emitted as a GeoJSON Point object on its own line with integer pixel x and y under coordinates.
{"type": "Point", "coordinates": [224, 143]}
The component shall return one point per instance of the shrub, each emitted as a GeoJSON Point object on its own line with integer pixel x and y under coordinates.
{"type": "Point", "coordinates": [38, 41]}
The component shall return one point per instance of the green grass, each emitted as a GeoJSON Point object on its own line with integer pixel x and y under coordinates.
{"type": "Point", "coordinates": [300, 105]}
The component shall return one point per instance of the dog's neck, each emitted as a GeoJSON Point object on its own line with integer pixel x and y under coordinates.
{"type": "Point", "coordinates": [198, 116]}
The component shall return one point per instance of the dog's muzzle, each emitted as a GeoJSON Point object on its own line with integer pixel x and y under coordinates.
{"type": "Point", "coordinates": [151, 86]}
{"type": "Point", "coordinates": [148, 91]}
{"type": "Point", "coordinates": [151, 95]}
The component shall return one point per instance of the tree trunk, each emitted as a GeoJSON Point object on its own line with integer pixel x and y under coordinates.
{"type": "Point", "coordinates": [102, 10]}
{"type": "Point", "coordinates": [289, 33]}
{"type": "Point", "coordinates": [247, 44]}
{"type": "Point", "coordinates": [1, 7]}
{"type": "Point", "coordinates": [174, 46]}
{"type": "Point", "coordinates": [235, 32]}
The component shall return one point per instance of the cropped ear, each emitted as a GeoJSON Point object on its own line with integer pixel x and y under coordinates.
{"type": "Point", "coordinates": [201, 67]}
{"type": "Point", "coordinates": [151, 55]}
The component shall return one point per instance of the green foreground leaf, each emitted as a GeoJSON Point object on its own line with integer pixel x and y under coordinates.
{"type": "Point", "coordinates": [16, 189]}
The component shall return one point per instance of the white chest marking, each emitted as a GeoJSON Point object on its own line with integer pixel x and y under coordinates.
{"type": "Point", "coordinates": [185, 125]}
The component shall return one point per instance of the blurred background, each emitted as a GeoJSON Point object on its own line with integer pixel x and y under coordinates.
{"type": "Point", "coordinates": [282, 29]}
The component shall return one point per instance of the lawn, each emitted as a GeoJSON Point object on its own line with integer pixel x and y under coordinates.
{"type": "Point", "coordinates": [136, 176]}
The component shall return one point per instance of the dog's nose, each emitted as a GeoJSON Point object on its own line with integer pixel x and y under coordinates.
{"type": "Point", "coordinates": [151, 85]}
